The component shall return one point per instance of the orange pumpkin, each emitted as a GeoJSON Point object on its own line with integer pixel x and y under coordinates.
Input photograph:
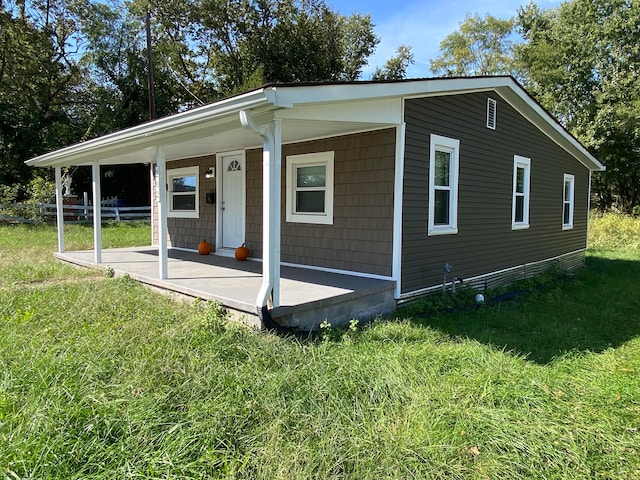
{"type": "Point", "coordinates": [242, 252]}
{"type": "Point", "coordinates": [204, 248]}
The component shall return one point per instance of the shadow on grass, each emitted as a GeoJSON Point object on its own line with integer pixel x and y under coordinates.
{"type": "Point", "coordinates": [596, 310]}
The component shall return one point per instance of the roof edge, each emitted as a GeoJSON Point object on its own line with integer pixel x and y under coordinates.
{"type": "Point", "coordinates": [156, 128]}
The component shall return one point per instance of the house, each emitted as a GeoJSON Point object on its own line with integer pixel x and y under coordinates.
{"type": "Point", "coordinates": [411, 183]}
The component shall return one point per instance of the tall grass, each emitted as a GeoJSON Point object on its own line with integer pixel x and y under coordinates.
{"type": "Point", "coordinates": [612, 231]}
{"type": "Point", "coordinates": [102, 378]}
{"type": "Point", "coordinates": [26, 250]}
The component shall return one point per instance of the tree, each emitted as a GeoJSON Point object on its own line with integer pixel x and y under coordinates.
{"type": "Point", "coordinates": [481, 46]}
{"type": "Point", "coordinates": [248, 43]}
{"type": "Point", "coordinates": [37, 81]}
{"type": "Point", "coordinates": [71, 70]}
{"type": "Point", "coordinates": [583, 62]}
{"type": "Point", "coordinates": [396, 67]}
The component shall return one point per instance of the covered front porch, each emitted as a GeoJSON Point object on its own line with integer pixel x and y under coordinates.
{"type": "Point", "coordinates": [263, 119]}
{"type": "Point", "coordinates": [307, 297]}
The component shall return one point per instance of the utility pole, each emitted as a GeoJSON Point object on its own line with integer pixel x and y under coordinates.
{"type": "Point", "coordinates": [150, 83]}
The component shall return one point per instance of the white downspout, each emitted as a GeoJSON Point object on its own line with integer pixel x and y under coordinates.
{"type": "Point", "coordinates": [163, 268]}
{"type": "Point", "coordinates": [269, 295]}
{"type": "Point", "coordinates": [59, 210]}
{"type": "Point", "coordinates": [97, 213]}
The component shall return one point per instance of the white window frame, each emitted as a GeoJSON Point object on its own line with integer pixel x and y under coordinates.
{"type": "Point", "coordinates": [568, 201]}
{"type": "Point", "coordinates": [521, 162]}
{"type": "Point", "coordinates": [306, 160]}
{"type": "Point", "coordinates": [177, 173]}
{"type": "Point", "coordinates": [439, 143]}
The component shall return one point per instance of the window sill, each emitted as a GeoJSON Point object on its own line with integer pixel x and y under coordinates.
{"type": "Point", "coordinates": [567, 227]}
{"type": "Point", "coordinates": [442, 231]}
{"type": "Point", "coordinates": [183, 215]}
{"type": "Point", "coordinates": [314, 219]}
{"type": "Point", "coordinates": [519, 226]}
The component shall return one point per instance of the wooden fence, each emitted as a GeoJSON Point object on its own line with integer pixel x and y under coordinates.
{"type": "Point", "coordinates": [46, 212]}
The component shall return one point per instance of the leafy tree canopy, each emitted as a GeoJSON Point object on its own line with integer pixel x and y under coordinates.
{"type": "Point", "coordinates": [71, 70]}
{"type": "Point", "coordinates": [396, 67]}
{"type": "Point", "coordinates": [481, 46]}
{"type": "Point", "coordinates": [37, 82]}
{"type": "Point", "coordinates": [582, 61]}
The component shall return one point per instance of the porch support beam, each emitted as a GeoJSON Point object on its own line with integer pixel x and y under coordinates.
{"type": "Point", "coordinates": [269, 295]}
{"type": "Point", "coordinates": [163, 254]}
{"type": "Point", "coordinates": [397, 208]}
{"type": "Point", "coordinates": [59, 209]}
{"type": "Point", "coordinates": [97, 213]}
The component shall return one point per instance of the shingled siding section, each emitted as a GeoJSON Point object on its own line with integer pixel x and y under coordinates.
{"type": "Point", "coordinates": [361, 236]}
{"type": "Point", "coordinates": [485, 241]}
{"type": "Point", "coordinates": [253, 227]}
{"type": "Point", "coordinates": [188, 232]}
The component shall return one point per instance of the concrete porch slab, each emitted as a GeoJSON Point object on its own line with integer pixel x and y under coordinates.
{"type": "Point", "coordinates": [307, 297]}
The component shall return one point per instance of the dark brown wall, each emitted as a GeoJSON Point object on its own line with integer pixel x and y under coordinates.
{"type": "Point", "coordinates": [361, 236]}
{"type": "Point", "coordinates": [485, 241]}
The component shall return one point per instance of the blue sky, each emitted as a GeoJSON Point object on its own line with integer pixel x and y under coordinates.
{"type": "Point", "coordinates": [422, 24]}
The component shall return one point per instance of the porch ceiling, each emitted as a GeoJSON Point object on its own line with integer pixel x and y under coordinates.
{"type": "Point", "coordinates": [239, 138]}
{"type": "Point", "coordinates": [209, 136]}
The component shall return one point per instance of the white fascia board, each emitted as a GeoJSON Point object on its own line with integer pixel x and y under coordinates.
{"type": "Point", "coordinates": [290, 95]}
{"type": "Point", "coordinates": [152, 133]}
{"type": "Point", "coordinates": [386, 111]}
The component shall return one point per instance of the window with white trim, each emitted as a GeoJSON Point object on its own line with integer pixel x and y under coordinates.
{"type": "Point", "coordinates": [521, 192]}
{"type": "Point", "coordinates": [443, 185]}
{"type": "Point", "coordinates": [183, 192]}
{"type": "Point", "coordinates": [567, 201]}
{"type": "Point", "coordinates": [310, 188]}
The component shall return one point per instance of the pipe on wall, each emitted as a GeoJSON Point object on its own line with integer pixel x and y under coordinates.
{"type": "Point", "coordinates": [269, 294]}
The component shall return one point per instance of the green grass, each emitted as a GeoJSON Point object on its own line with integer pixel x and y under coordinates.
{"type": "Point", "coordinates": [101, 378]}
{"type": "Point", "coordinates": [26, 250]}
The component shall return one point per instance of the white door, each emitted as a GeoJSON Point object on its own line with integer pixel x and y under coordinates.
{"type": "Point", "coordinates": [232, 201]}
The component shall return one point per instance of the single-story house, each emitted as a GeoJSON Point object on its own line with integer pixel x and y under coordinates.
{"type": "Point", "coordinates": [410, 182]}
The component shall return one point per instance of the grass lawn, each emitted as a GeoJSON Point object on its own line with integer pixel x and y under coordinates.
{"type": "Point", "coordinates": [100, 378]}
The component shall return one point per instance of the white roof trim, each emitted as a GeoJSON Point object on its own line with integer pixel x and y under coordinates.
{"type": "Point", "coordinates": [199, 121]}
{"type": "Point", "coordinates": [152, 133]}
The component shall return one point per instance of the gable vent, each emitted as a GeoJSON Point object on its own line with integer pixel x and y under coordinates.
{"type": "Point", "coordinates": [491, 113]}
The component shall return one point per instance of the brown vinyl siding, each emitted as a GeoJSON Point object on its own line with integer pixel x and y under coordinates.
{"type": "Point", "coordinates": [188, 232]}
{"type": "Point", "coordinates": [485, 241]}
{"type": "Point", "coordinates": [361, 236]}
{"type": "Point", "coordinates": [253, 228]}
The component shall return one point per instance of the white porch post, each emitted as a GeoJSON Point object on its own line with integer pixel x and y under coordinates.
{"type": "Point", "coordinates": [397, 207]}
{"type": "Point", "coordinates": [271, 161]}
{"type": "Point", "coordinates": [163, 269]}
{"type": "Point", "coordinates": [276, 168]}
{"type": "Point", "coordinates": [97, 213]}
{"type": "Point", "coordinates": [59, 210]}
